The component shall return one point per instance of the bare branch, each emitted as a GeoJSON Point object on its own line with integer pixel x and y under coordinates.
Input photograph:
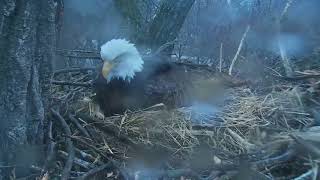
{"type": "Point", "coordinates": [221, 56]}
{"type": "Point", "coordinates": [275, 160]}
{"type": "Point", "coordinates": [74, 70]}
{"type": "Point", "coordinates": [66, 83]}
{"type": "Point", "coordinates": [96, 170]}
{"type": "Point", "coordinates": [50, 150]}
{"type": "Point", "coordinates": [239, 49]}
{"type": "Point", "coordinates": [82, 163]}
{"type": "Point", "coordinates": [71, 154]}
{"type": "Point", "coordinates": [81, 128]}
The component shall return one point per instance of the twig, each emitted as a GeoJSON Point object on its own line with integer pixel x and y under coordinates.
{"type": "Point", "coordinates": [74, 55]}
{"type": "Point", "coordinates": [66, 83]}
{"type": "Point", "coordinates": [68, 164]}
{"type": "Point", "coordinates": [240, 140]}
{"type": "Point", "coordinates": [50, 150]}
{"type": "Point", "coordinates": [275, 160]}
{"type": "Point", "coordinates": [194, 65]}
{"type": "Point", "coordinates": [285, 10]}
{"type": "Point", "coordinates": [78, 161]}
{"type": "Point", "coordinates": [177, 173]}
{"type": "Point", "coordinates": [307, 145]}
{"type": "Point", "coordinates": [96, 54]}
{"type": "Point", "coordinates": [77, 51]}
{"type": "Point", "coordinates": [81, 128]}
{"type": "Point", "coordinates": [163, 47]}
{"type": "Point", "coordinates": [77, 173]}
{"type": "Point", "coordinates": [112, 131]}
{"type": "Point", "coordinates": [143, 56]}
{"type": "Point", "coordinates": [95, 149]}
{"type": "Point", "coordinates": [239, 49]}
{"type": "Point", "coordinates": [311, 174]}
{"type": "Point", "coordinates": [114, 164]}
{"type": "Point", "coordinates": [73, 70]}
{"type": "Point", "coordinates": [220, 62]}
{"type": "Point", "coordinates": [96, 170]}
{"type": "Point", "coordinates": [301, 77]}
{"type": "Point", "coordinates": [88, 156]}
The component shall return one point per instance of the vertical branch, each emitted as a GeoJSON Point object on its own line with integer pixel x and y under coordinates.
{"type": "Point", "coordinates": [239, 49]}
{"type": "Point", "coordinates": [221, 56]}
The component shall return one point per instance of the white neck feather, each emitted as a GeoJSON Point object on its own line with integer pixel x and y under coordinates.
{"type": "Point", "coordinates": [127, 57]}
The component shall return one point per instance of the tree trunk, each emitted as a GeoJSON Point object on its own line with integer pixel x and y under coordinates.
{"type": "Point", "coordinates": [27, 45]}
{"type": "Point", "coordinates": [130, 10]}
{"type": "Point", "coordinates": [166, 25]}
{"type": "Point", "coordinates": [164, 28]}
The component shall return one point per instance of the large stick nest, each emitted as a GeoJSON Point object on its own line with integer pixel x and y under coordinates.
{"type": "Point", "coordinates": [260, 130]}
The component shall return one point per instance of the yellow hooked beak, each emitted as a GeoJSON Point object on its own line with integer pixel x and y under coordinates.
{"type": "Point", "coordinates": [107, 67]}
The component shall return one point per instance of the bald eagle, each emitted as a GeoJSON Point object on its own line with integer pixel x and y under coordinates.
{"type": "Point", "coordinates": [128, 81]}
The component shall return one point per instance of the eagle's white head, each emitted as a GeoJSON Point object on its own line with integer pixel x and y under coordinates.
{"type": "Point", "coordinates": [121, 60]}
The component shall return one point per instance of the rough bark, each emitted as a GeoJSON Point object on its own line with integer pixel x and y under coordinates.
{"type": "Point", "coordinates": [165, 26]}
{"type": "Point", "coordinates": [130, 10]}
{"type": "Point", "coordinates": [167, 23]}
{"type": "Point", "coordinates": [27, 44]}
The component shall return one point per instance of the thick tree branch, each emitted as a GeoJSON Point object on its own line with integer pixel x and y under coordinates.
{"type": "Point", "coordinates": [81, 128]}
{"type": "Point", "coordinates": [71, 154]}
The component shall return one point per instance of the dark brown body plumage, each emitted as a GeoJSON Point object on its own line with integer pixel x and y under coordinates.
{"type": "Point", "coordinates": [173, 84]}
{"type": "Point", "coordinates": [162, 84]}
